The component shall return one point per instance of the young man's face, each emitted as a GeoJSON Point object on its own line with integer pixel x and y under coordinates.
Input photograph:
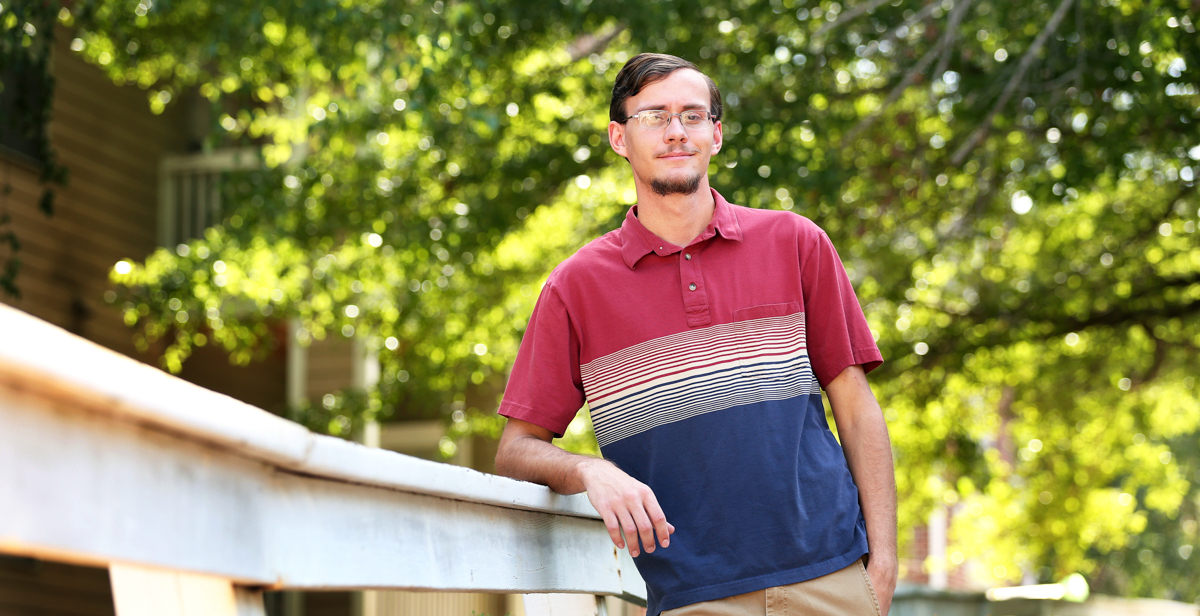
{"type": "Point", "coordinates": [674, 159]}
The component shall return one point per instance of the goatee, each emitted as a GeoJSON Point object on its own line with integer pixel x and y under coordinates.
{"type": "Point", "coordinates": [681, 186]}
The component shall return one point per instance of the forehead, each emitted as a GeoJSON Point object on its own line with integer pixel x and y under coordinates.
{"type": "Point", "coordinates": [682, 89]}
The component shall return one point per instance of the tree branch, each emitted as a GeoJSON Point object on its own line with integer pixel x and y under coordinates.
{"type": "Point", "coordinates": [951, 31]}
{"type": "Point", "coordinates": [1061, 80]}
{"type": "Point", "coordinates": [1026, 61]}
{"type": "Point", "coordinates": [858, 9]}
{"type": "Point", "coordinates": [1081, 59]}
{"type": "Point", "coordinates": [1160, 357]}
{"type": "Point", "coordinates": [923, 65]}
{"type": "Point", "coordinates": [894, 33]}
{"type": "Point", "coordinates": [589, 44]}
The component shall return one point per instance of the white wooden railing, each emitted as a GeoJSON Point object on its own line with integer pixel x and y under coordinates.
{"type": "Point", "coordinates": [197, 502]}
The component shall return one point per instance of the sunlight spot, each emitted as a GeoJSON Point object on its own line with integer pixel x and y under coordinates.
{"type": "Point", "coordinates": [1021, 202]}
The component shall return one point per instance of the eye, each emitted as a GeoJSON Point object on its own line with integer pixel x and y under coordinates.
{"type": "Point", "coordinates": [654, 119]}
{"type": "Point", "coordinates": [692, 117]}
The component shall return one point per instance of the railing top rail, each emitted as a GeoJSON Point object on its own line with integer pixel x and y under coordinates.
{"type": "Point", "coordinates": [37, 357]}
{"type": "Point", "coordinates": [225, 159]}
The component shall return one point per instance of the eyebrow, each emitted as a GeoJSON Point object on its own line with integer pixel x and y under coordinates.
{"type": "Point", "coordinates": [655, 106]}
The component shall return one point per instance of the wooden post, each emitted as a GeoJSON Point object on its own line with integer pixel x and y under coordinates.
{"type": "Point", "coordinates": [141, 591]}
{"type": "Point", "coordinates": [560, 604]}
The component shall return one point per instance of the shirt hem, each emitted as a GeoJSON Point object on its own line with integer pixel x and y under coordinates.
{"type": "Point", "coordinates": [869, 358]}
{"type": "Point", "coordinates": [515, 410]}
{"type": "Point", "coordinates": [778, 578]}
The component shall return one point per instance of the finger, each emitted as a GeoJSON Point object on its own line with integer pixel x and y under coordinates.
{"type": "Point", "coordinates": [645, 527]}
{"type": "Point", "coordinates": [630, 529]}
{"type": "Point", "coordinates": [613, 527]}
{"type": "Point", "coordinates": [659, 520]}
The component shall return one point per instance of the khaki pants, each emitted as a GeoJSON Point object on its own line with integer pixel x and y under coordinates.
{"type": "Point", "coordinates": [842, 593]}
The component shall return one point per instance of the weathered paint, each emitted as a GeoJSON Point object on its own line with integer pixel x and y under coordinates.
{"type": "Point", "coordinates": [104, 460]}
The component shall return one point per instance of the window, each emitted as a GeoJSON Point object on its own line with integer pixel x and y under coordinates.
{"type": "Point", "coordinates": [25, 89]}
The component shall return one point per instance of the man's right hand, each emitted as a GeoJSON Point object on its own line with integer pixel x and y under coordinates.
{"type": "Point", "coordinates": [627, 506]}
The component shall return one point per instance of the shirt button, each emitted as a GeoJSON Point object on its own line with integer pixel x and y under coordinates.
{"type": "Point", "coordinates": [687, 255]}
{"type": "Point", "coordinates": [692, 287]}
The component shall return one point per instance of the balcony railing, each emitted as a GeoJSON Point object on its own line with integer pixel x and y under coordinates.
{"type": "Point", "coordinates": [197, 503]}
{"type": "Point", "coordinates": [189, 191]}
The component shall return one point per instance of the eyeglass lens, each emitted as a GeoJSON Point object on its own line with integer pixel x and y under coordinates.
{"type": "Point", "coordinates": [658, 119]}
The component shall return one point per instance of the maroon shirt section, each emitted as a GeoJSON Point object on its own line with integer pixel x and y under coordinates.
{"type": "Point", "coordinates": [629, 287]}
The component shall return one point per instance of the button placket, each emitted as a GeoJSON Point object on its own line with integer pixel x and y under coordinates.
{"type": "Point", "coordinates": [695, 295]}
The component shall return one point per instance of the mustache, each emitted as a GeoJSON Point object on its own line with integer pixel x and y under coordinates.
{"type": "Point", "coordinates": [679, 151]}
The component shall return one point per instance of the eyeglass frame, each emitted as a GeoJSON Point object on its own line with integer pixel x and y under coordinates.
{"type": "Point", "coordinates": [709, 115]}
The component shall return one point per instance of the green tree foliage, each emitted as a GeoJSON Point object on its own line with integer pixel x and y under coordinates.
{"type": "Point", "coordinates": [26, 87]}
{"type": "Point", "coordinates": [1012, 187]}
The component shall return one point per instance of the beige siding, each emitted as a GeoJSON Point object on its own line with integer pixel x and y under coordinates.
{"type": "Point", "coordinates": [393, 603]}
{"type": "Point", "coordinates": [330, 366]}
{"type": "Point", "coordinates": [262, 383]}
{"type": "Point", "coordinates": [111, 144]}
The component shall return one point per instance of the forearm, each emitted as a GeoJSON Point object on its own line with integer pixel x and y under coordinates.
{"type": "Point", "coordinates": [864, 436]}
{"type": "Point", "coordinates": [628, 507]}
{"type": "Point", "coordinates": [869, 456]}
{"type": "Point", "coordinates": [529, 458]}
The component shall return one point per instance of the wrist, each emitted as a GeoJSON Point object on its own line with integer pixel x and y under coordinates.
{"type": "Point", "coordinates": [583, 470]}
{"type": "Point", "coordinates": [884, 559]}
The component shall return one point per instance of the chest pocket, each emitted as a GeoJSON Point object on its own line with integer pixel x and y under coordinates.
{"type": "Point", "coordinates": [771, 345]}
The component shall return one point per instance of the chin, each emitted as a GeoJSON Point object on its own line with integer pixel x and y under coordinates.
{"type": "Point", "coordinates": [677, 184]}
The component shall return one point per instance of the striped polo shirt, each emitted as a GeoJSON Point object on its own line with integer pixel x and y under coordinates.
{"type": "Point", "coordinates": [702, 368]}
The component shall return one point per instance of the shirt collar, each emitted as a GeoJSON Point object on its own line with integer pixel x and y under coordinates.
{"type": "Point", "coordinates": [638, 241]}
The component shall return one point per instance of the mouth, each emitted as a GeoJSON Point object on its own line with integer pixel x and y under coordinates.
{"type": "Point", "coordinates": [678, 154]}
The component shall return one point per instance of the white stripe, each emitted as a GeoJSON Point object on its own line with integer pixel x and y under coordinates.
{"type": "Point", "coordinates": [697, 388]}
{"type": "Point", "coordinates": [705, 346]}
{"type": "Point", "coordinates": [688, 342]}
{"type": "Point", "coordinates": [697, 374]}
{"type": "Point", "coordinates": [748, 394]}
{"type": "Point", "coordinates": [650, 384]}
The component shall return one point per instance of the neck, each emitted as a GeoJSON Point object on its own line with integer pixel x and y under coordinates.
{"type": "Point", "coordinates": [676, 218]}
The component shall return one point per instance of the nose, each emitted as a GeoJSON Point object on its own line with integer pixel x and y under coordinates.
{"type": "Point", "coordinates": [674, 130]}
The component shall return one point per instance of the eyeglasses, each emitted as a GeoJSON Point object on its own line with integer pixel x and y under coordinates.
{"type": "Point", "coordinates": [657, 118]}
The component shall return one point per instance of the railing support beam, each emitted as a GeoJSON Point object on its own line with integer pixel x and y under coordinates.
{"type": "Point", "coordinates": [141, 591]}
{"type": "Point", "coordinates": [561, 604]}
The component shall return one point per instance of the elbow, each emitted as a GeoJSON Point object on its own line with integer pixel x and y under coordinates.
{"type": "Point", "coordinates": [505, 461]}
{"type": "Point", "coordinates": [502, 463]}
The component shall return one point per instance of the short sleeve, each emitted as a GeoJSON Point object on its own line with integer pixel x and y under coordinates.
{"type": "Point", "coordinates": [836, 331]}
{"type": "Point", "coordinates": [545, 387]}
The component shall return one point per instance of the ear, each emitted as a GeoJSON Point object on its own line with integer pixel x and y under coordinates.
{"type": "Point", "coordinates": [717, 137]}
{"type": "Point", "coordinates": [616, 138]}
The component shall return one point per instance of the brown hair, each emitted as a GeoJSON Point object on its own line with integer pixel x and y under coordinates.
{"type": "Point", "coordinates": [647, 68]}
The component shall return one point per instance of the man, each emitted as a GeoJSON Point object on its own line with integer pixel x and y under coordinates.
{"type": "Point", "coordinates": [700, 334]}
